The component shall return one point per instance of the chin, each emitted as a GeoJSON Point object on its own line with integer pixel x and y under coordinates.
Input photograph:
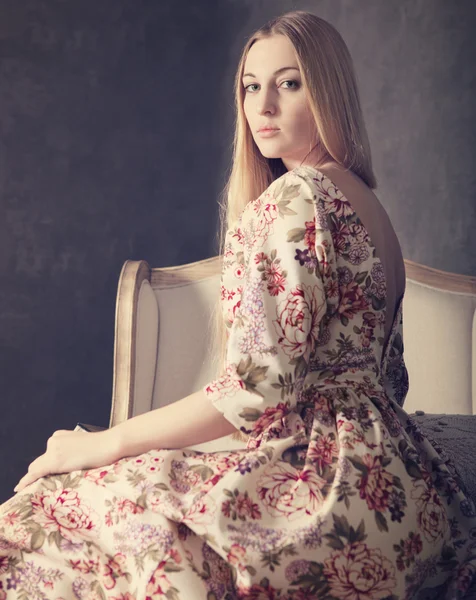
{"type": "Point", "coordinates": [270, 154]}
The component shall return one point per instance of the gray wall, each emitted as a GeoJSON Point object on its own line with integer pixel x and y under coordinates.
{"type": "Point", "coordinates": [116, 121]}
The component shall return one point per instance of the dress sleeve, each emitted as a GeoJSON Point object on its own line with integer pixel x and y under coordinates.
{"type": "Point", "coordinates": [288, 252]}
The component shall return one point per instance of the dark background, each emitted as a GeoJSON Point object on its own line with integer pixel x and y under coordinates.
{"type": "Point", "coordinates": [115, 139]}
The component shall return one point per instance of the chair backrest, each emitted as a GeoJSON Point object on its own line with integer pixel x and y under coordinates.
{"type": "Point", "coordinates": [163, 319]}
{"type": "Point", "coordinates": [185, 300]}
{"type": "Point", "coordinates": [162, 337]}
{"type": "Point", "coordinates": [439, 337]}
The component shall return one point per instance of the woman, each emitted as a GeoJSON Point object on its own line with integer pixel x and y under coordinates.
{"type": "Point", "coordinates": [336, 493]}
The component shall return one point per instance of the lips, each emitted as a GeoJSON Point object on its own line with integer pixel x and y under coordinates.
{"type": "Point", "coordinates": [268, 129]}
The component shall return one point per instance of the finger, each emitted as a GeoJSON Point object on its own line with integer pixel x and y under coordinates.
{"type": "Point", "coordinates": [24, 481]}
{"type": "Point", "coordinates": [37, 465]}
{"type": "Point", "coordinates": [37, 469]}
{"type": "Point", "coordinates": [21, 484]}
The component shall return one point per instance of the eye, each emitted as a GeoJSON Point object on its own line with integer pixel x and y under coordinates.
{"type": "Point", "coordinates": [291, 81]}
{"type": "Point", "coordinates": [286, 81]}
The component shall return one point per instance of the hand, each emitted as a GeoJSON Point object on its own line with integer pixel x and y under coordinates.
{"type": "Point", "coordinates": [68, 451]}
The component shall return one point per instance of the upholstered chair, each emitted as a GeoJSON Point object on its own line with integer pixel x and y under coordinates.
{"type": "Point", "coordinates": [162, 347]}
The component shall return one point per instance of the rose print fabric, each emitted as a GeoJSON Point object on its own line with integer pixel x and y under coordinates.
{"type": "Point", "coordinates": [336, 494]}
{"type": "Point", "coordinates": [275, 314]}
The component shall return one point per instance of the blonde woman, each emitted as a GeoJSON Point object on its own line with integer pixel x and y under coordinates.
{"type": "Point", "coordinates": [335, 493]}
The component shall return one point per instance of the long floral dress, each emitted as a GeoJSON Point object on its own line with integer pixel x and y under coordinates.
{"type": "Point", "coordinates": [336, 494]}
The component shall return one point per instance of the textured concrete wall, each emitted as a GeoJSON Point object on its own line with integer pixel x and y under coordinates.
{"type": "Point", "coordinates": [115, 133]}
{"type": "Point", "coordinates": [112, 147]}
{"type": "Point", "coordinates": [415, 64]}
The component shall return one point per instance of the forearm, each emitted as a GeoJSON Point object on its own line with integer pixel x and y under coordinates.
{"type": "Point", "coordinates": [187, 422]}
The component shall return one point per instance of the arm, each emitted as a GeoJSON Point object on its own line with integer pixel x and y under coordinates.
{"type": "Point", "coordinates": [273, 333]}
{"type": "Point", "coordinates": [187, 422]}
{"type": "Point", "coordinates": [288, 263]}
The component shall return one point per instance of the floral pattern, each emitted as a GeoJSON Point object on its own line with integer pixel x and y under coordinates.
{"type": "Point", "coordinates": [336, 492]}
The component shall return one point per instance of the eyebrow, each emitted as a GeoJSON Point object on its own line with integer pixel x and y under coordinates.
{"type": "Point", "coordinates": [275, 73]}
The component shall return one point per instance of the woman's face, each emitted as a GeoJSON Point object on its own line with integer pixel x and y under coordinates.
{"type": "Point", "coordinates": [278, 100]}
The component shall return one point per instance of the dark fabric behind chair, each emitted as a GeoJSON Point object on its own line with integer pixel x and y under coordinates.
{"type": "Point", "coordinates": [456, 436]}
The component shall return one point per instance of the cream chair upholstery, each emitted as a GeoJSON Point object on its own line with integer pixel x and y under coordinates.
{"type": "Point", "coordinates": [162, 338]}
{"type": "Point", "coordinates": [439, 336]}
{"type": "Point", "coordinates": [162, 341]}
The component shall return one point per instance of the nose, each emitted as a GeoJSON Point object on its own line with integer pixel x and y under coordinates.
{"type": "Point", "coordinates": [265, 102]}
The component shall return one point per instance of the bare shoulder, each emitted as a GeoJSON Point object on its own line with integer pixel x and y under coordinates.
{"type": "Point", "coordinates": [364, 201]}
{"type": "Point", "coordinates": [350, 184]}
{"type": "Point", "coordinates": [372, 214]}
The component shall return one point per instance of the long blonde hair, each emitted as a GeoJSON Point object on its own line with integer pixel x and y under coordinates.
{"type": "Point", "coordinates": [329, 80]}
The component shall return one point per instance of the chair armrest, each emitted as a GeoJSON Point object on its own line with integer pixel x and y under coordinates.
{"type": "Point", "coordinates": [135, 343]}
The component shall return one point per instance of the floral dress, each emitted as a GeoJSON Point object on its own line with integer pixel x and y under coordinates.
{"type": "Point", "coordinates": [336, 494]}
